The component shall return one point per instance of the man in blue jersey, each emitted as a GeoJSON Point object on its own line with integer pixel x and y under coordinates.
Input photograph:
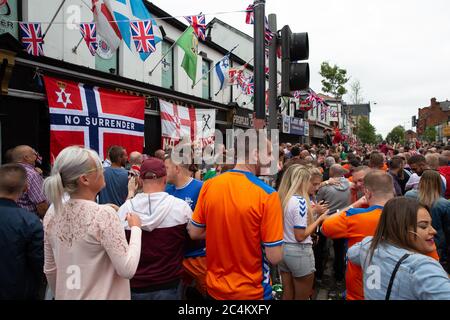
{"type": "Point", "coordinates": [182, 186]}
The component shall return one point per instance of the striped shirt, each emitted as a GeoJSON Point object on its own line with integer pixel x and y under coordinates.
{"type": "Point", "coordinates": [35, 193]}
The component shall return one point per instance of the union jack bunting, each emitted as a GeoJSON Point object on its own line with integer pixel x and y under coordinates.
{"type": "Point", "coordinates": [248, 86]}
{"type": "Point", "coordinates": [199, 25]}
{"type": "Point", "coordinates": [89, 33]}
{"type": "Point", "coordinates": [250, 17]}
{"type": "Point", "coordinates": [297, 95]}
{"type": "Point", "coordinates": [32, 40]}
{"type": "Point", "coordinates": [142, 35]}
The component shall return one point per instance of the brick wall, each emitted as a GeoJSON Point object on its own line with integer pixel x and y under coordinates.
{"type": "Point", "coordinates": [431, 116]}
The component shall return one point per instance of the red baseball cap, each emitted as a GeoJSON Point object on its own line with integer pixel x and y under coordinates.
{"type": "Point", "coordinates": [153, 168]}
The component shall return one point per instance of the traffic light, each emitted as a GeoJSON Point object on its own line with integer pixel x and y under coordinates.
{"type": "Point", "coordinates": [294, 74]}
{"type": "Point", "coordinates": [414, 122]}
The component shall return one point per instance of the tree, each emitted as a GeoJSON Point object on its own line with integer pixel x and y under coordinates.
{"type": "Point", "coordinates": [379, 138]}
{"type": "Point", "coordinates": [334, 80]}
{"type": "Point", "coordinates": [396, 135]}
{"type": "Point", "coordinates": [366, 132]}
{"type": "Point", "coordinates": [356, 92]}
{"type": "Point", "coordinates": [430, 134]}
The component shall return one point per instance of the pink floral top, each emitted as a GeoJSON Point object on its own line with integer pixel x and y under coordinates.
{"type": "Point", "coordinates": [86, 253]}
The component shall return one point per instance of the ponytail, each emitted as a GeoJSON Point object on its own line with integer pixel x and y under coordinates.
{"type": "Point", "coordinates": [69, 166]}
{"type": "Point", "coordinates": [54, 190]}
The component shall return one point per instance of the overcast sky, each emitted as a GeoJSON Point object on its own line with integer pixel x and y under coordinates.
{"type": "Point", "coordinates": [399, 50]}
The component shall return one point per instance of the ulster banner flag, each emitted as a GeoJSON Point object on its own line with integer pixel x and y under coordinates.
{"type": "Point", "coordinates": [89, 116]}
{"type": "Point", "coordinates": [181, 123]}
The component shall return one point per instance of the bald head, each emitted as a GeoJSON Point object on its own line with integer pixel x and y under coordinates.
{"type": "Point", "coordinates": [136, 158]}
{"type": "Point", "coordinates": [24, 154]}
{"type": "Point", "coordinates": [337, 171]}
{"type": "Point", "coordinates": [160, 154]}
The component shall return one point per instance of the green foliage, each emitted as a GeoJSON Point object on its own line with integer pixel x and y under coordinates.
{"type": "Point", "coordinates": [430, 134]}
{"type": "Point", "coordinates": [334, 80]}
{"type": "Point", "coordinates": [397, 135]}
{"type": "Point", "coordinates": [379, 138]}
{"type": "Point", "coordinates": [366, 132]}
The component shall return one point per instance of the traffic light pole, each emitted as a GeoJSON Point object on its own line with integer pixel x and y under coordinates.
{"type": "Point", "coordinates": [259, 74]}
{"type": "Point", "coordinates": [273, 75]}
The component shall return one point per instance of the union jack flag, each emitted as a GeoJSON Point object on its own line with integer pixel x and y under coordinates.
{"type": "Point", "coordinates": [250, 17]}
{"type": "Point", "coordinates": [142, 35]}
{"type": "Point", "coordinates": [268, 35]}
{"type": "Point", "coordinates": [250, 86]}
{"type": "Point", "coordinates": [199, 25]}
{"type": "Point", "coordinates": [31, 38]}
{"type": "Point", "coordinates": [89, 33]}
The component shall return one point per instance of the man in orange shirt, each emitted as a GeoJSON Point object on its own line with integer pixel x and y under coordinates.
{"type": "Point", "coordinates": [241, 218]}
{"type": "Point", "coordinates": [356, 224]}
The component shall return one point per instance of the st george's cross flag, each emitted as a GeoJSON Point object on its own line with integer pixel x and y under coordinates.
{"type": "Point", "coordinates": [187, 124]}
{"type": "Point", "coordinates": [93, 117]}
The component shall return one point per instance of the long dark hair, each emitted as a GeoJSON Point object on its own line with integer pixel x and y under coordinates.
{"type": "Point", "coordinates": [399, 216]}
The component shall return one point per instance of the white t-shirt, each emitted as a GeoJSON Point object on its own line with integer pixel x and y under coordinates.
{"type": "Point", "coordinates": [295, 217]}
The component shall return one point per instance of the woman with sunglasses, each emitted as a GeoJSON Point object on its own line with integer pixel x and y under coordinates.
{"type": "Point", "coordinates": [394, 262]}
{"type": "Point", "coordinates": [86, 253]}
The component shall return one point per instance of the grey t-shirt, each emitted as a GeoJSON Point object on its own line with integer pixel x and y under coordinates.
{"type": "Point", "coordinates": [338, 196]}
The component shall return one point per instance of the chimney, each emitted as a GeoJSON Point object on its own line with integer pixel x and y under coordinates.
{"type": "Point", "coordinates": [433, 101]}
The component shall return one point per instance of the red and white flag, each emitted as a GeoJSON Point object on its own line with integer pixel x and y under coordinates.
{"type": "Point", "coordinates": [93, 117]}
{"type": "Point", "coordinates": [194, 125]}
{"type": "Point", "coordinates": [107, 28]}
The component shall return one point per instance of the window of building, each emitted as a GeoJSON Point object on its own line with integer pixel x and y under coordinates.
{"type": "Point", "coordinates": [206, 81]}
{"type": "Point", "coordinates": [107, 61]}
{"type": "Point", "coordinates": [167, 74]}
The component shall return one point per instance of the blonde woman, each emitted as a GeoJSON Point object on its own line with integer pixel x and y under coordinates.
{"type": "Point", "coordinates": [86, 253]}
{"type": "Point", "coordinates": [297, 268]}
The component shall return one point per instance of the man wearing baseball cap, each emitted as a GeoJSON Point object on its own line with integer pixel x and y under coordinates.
{"type": "Point", "coordinates": [164, 220]}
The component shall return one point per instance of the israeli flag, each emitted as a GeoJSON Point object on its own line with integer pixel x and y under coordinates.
{"type": "Point", "coordinates": [125, 11]}
{"type": "Point", "coordinates": [222, 68]}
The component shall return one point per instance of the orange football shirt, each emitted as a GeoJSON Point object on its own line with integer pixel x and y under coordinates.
{"type": "Point", "coordinates": [242, 216]}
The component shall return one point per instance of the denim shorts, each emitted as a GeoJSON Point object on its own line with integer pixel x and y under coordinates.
{"type": "Point", "coordinates": [298, 259]}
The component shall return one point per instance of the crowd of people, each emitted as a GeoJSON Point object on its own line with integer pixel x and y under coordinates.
{"type": "Point", "coordinates": [147, 227]}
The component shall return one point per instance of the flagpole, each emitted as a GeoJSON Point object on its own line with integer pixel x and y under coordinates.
{"type": "Point", "coordinates": [167, 53]}
{"type": "Point", "coordinates": [229, 52]}
{"type": "Point", "coordinates": [74, 49]}
{"type": "Point", "coordinates": [53, 19]}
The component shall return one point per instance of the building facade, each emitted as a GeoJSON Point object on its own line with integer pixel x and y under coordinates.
{"type": "Point", "coordinates": [435, 115]}
{"type": "Point", "coordinates": [23, 99]}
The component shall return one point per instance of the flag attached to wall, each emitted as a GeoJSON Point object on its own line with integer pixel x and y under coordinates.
{"type": "Point", "coordinates": [222, 71]}
{"type": "Point", "coordinates": [199, 25]}
{"type": "Point", "coordinates": [181, 123]}
{"type": "Point", "coordinates": [93, 117]}
{"type": "Point", "coordinates": [31, 36]}
{"type": "Point", "coordinates": [89, 33]}
{"type": "Point", "coordinates": [189, 43]}
{"type": "Point", "coordinates": [108, 33]}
